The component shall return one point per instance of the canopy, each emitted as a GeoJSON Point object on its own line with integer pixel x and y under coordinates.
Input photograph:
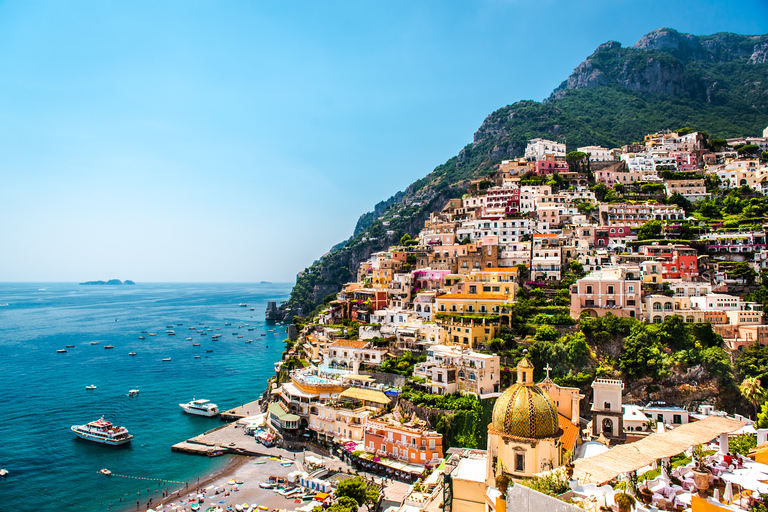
{"type": "Point", "coordinates": [624, 458]}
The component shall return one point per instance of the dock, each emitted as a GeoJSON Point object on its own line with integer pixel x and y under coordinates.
{"type": "Point", "coordinates": [228, 438]}
{"type": "Point", "coordinates": [242, 411]}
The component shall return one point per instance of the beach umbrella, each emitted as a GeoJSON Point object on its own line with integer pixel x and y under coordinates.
{"type": "Point", "coordinates": [728, 494]}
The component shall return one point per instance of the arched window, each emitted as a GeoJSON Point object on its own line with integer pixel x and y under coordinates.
{"type": "Point", "coordinates": [657, 319]}
{"type": "Point", "coordinates": [608, 426]}
{"type": "Point", "coordinates": [668, 306]}
{"type": "Point", "coordinates": [472, 376]}
{"type": "Point", "coordinates": [461, 373]}
{"type": "Point", "coordinates": [656, 306]}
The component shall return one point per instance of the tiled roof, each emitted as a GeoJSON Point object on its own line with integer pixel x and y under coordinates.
{"type": "Point", "coordinates": [476, 296]}
{"type": "Point", "coordinates": [349, 343]}
{"type": "Point", "coordinates": [570, 433]}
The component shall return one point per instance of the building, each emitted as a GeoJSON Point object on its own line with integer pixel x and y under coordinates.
{"type": "Point", "coordinates": [450, 369]}
{"type": "Point", "coordinates": [348, 354]}
{"type": "Point", "coordinates": [607, 412]}
{"type": "Point", "coordinates": [677, 261]}
{"type": "Point", "coordinates": [408, 442]}
{"type": "Point", "coordinates": [637, 214]}
{"type": "Point", "coordinates": [597, 153]}
{"type": "Point", "coordinates": [615, 290]}
{"type": "Point", "coordinates": [667, 414]}
{"type": "Point", "coordinates": [693, 190]}
{"type": "Point", "coordinates": [543, 149]}
{"type": "Point", "coordinates": [525, 435]}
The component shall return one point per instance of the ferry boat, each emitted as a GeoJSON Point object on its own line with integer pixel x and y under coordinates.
{"type": "Point", "coordinates": [200, 408]}
{"type": "Point", "coordinates": [102, 431]}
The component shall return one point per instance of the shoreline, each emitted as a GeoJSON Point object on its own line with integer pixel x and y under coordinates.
{"type": "Point", "coordinates": [231, 466]}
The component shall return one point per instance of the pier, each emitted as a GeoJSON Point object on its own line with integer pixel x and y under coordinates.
{"type": "Point", "coordinates": [231, 439]}
{"type": "Point", "coordinates": [242, 411]}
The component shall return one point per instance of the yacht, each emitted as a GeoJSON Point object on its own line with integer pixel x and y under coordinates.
{"type": "Point", "coordinates": [92, 386]}
{"type": "Point", "coordinates": [102, 431]}
{"type": "Point", "coordinates": [131, 353]}
{"type": "Point", "coordinates": [201, 408]}
{"type": "Point", "coordinates": [166, 359]}
{"type": "Point", "coordinates": [61, 351]}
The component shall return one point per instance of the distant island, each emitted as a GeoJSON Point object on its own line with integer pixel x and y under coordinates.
{"type": "Point", "coordinates": [110, 282]}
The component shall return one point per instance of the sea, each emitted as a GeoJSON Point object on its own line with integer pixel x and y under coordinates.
{"type": "Point", "coordinates": [43, 392]}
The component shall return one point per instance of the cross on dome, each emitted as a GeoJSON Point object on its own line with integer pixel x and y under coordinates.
{"type": "Point", "coordinates": [547, 369]}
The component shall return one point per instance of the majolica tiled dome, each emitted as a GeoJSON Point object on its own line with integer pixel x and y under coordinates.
{"type": "Point", "coordinates": [524, 410]}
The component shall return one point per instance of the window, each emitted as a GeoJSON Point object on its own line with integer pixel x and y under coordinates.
{"type": "Point", "coordinates": [473, 289]}
{"type": "Point", "coordinates": [659, 417]}
{"type": "Point", "coordinates": [589, 288]}
{"type": "Point", "coordinates": [520, 462]}
{"type": "Point", "coordinates": [677, 419]}
{"type": "Point", "coordinates": [607, 406]}
{"type": "Point", "coordinates": [631, 288]}
{"type": "Point", "coordinates": [610, 289]}
{"type": "Point", "coordinates": [608, 426]}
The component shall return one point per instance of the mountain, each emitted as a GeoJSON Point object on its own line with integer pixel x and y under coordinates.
{"type": "Point", "coordinates": [716, 83]}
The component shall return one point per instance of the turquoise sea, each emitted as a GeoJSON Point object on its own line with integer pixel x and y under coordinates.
{"type": "Point", "coordinates": [44, 391]}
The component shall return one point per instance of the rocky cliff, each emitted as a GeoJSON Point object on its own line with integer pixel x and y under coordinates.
{"type": "Point", "coordinates": [716, 83]}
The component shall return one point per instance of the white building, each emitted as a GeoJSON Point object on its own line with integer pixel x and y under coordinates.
{"type": "Point", "coordinates": [597, 153]}
{"type": "Point", "coordinates": [451, 369]}
{"type": "Point", "coordinates": [543, 149]}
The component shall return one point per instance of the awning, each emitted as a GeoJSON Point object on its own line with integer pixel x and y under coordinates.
{"type": "Point", "coordinates": [625, 458]}
{"type": "Point", "coordinates": [369, 395]}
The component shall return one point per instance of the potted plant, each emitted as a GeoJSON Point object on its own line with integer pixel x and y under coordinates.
{"type": "Point", "coordinates": [624, 501]}
{"type": "Point", "coordinates": [700, 472]}
{"type": "Point", "coordinates": [646, 494]}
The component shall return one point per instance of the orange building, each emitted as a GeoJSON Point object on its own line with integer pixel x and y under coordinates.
{"type": "Point", "coordinates": [405, 442]}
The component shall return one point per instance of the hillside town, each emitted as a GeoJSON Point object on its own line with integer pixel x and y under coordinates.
{"type": "Point", "coordinates": [581, 330]}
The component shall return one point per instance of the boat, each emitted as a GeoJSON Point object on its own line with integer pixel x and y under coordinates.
{"type": "Point", "coordinates": [180, 323]}
{"type": "Point", "coordinates": [131, 353]}
{"type": "Point", "coordinates": [243, 305]}
{"type": "Point", "coordinates": [191, 328]}
{"type": "Point", "coordinates": [61, 351]}
{"type": "Point", "coordinates": [252, 309]}
{"type": "Point", "coordinates": [142, 337]}
{"type": "Point", "coordinates": [3, 472]}
{"type": "Point", "coordinates": [209, 351]}
{"type": "Point", "coordinates": [240, 336]}
{"type": "Point", "coordinates": [70, 346]}
{"type": "Point", "coordinates": [195, 344]}
{"type": "Point", "coordinates": [143, 332]}
{"type": "Point", "coordinates": [133, 392]}
{"type": "Point", "coordinates": [267, 485]}
{"type": "Point", "coordinates": [200, 408]}
{"type": "Point", "coordinates": [251, 328]}
{"type": "Point", "coordinates": [197, 357]}
{"type": "Point", "coordinates": [153, 334]}
{"type": "Point", "coordinates": [195, 507]}
{"type": "Point", "coordinates": [227, 323]}
{"type": "Point", "coordinates": [169, 326]}
{"type": "Point", "coordinates": [238, 507]}
{"type": "Point", "coordinates": [94, 343]}
{"type": "Point", "coordinates": [109, 346]}
{"type": "Point", "coordinates": [167, 359]}
{"type": "Point", "coordinates": [105, 471]}
{"type": "Point", "coordinates": [102, 431]}
{"type": "Point", "coordinates": [262, 334]}
{"type": "Point", "coordinates": [277, 366]}
{"type": "Point", "coordinates": [171, 333]}
{"type": "Point", "coordinates": [90, 386]}
{"type": "Point", "coordinates": [249, 341]}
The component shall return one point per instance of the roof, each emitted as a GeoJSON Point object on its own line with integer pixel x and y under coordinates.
{"type": "Point", "coordinates": [513, 270]}
{"type": "Point", "coordinates": [472, 470]}
{"type": "Point", "coordinates": [570, 433]}
{"type": "Point", "coordinates": [475, 296]}
{"type": "Point", "coordinates": [630, 457]}
{"type": "Point", "coordinates": [278, 411]}
{"type": "Point", "coordinates": [350, 343]}
{"type": "Point", "coordinates": [369, 395]}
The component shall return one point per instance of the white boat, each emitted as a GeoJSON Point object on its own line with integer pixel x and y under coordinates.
{"type": "Point", "coordinates": [3, 472]}
{"type": "Point", "coordinates": [133, 392]}
{"type": "Point", "coordinates": [92, 386]}
{"type": "Point", "coordinates": [102, 431]}
{"type": "Point", "coordinates": [243, 305]}
{"type": "Point", "coordinates": [131, 353]}
{"type": "Point", "coordinates": [201, 408]}
{"type": "Point", "coordinates": [166, 359]}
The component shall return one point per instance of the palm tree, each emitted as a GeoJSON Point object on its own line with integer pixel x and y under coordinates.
{"type": "Point", "coordinates": [751, 389]}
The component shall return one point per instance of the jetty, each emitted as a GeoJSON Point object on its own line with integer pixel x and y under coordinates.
{"type": "Point", "coordinates": [231, 439]}
{"type": "Point", "coordinates": [242, 411]}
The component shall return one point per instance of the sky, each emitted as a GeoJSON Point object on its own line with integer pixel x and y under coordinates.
{"type": "Point", "coordinates": [237, 141]}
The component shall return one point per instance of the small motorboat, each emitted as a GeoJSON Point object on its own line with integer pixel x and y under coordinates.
{"type": "Point", "coordinates": [238, 507]}
{"type": "Point", "coordinates": [189, 339]}
{"type": "Point", "coordinates": [70, 346]}
{"type": "Point", "coordinates": [262, 334]}
{"type": "Point", "coordinates": [209, 351]}
{"type": "Point", "coordinates": [197, 357]}
{"type": "Point", "coordinates": [109, 346]}
{"type": "Point", "coordinates": [179, 324]}
{"type": "Point", "coordinates": [91, 386]}
{"type": "Point", "coordinates": [243, 305]}
{"type": "Point", "coordinates": [131, 353]}
{"type": "Point", "coordinates": [195, 344]}
{"type": "Point", "coordinates": [3, 472]}
{"type": "Point", "coordinates": [94, 343]}
{"type": "Point", "coordinates": [169, 327]}
{"type": "Point", "coordinates": [133, 392]}
{"type": "Point", "coordinates": [105, 471]}
{"type": "Point", "coordinates": [166, 359]}
{"type": "Point", "coordinates": [61, 351]}
{"type": "Point", "coordinates": [249, 341]}
{"type": "Point", "coordinates": [267, 485]}
{"type": "Point", "coordinates": [153, 334]}
{"type": "Point", "coordinates": [191, 328]}
{"type": "Point", "coordinates": [252, 309]}
{"type": "Point", "coordinates": [143, 332]}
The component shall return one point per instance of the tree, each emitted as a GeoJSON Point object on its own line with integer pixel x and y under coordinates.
{"type": "Point", "coordinates": [743, 270]}
{"type": "Point", "coordinates": [748, 149]}
{"type": "Point", "coordinates": [751, 389]}
{"type": "Point", "coordinates": [354, 488]}
{"type": "Point", "coordinates": [546, 333]}
{"type": "Point", "coordinates": [649, 230]}
{"type": "Point", "coordinates": [405, 239]}
{"type": "Point", "coordinates": [576, 267]}
{"type": "Point", "coordinates": [732, 204]}
{"type": "Point", "coordinates": [709, 209]}
{"type": "Point", "coordinates": [681, 201]}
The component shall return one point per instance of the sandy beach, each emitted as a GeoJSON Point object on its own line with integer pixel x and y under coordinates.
{"type": "Point", "coordinates": [250, 470]}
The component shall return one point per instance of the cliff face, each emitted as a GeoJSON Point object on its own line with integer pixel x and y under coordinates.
{"type": "Point", "coordinates": [665, 62]}
{"type": "Point", "coordinates": [716, 83]}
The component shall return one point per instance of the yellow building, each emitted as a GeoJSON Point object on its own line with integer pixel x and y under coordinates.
{"type": "Point", "coordinates": [473, 303]}
{"type": "Point", "coordinates": [458, 331]}
{"type": "Point", "coordinates": [525, 436]}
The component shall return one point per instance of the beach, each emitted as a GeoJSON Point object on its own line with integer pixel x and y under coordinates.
{"type": "Point", "coordinates": [251, 471]}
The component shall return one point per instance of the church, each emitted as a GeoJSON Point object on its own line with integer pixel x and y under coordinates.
{"type": "Point", "coordinates": [530, 432]}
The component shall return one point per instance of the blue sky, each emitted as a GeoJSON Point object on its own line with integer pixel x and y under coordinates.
{"type": "Point", "coordinates": [239, 140]}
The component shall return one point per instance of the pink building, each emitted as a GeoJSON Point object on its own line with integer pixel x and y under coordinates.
{"type": "Point", "coordinates": [428, 280]}
{"type": "Point", "coordinates": [613, 290]}
{"type": "Point", "coordinates": [551, 167]}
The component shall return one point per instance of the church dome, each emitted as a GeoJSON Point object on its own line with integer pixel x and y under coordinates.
{"type": "Point", "coordinates": [524, 410]}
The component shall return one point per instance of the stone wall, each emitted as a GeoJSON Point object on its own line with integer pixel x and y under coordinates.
{"type": "Point", "coordinates": [391, 379]}
{"type": "Point", "coordinates": [526, 499]}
